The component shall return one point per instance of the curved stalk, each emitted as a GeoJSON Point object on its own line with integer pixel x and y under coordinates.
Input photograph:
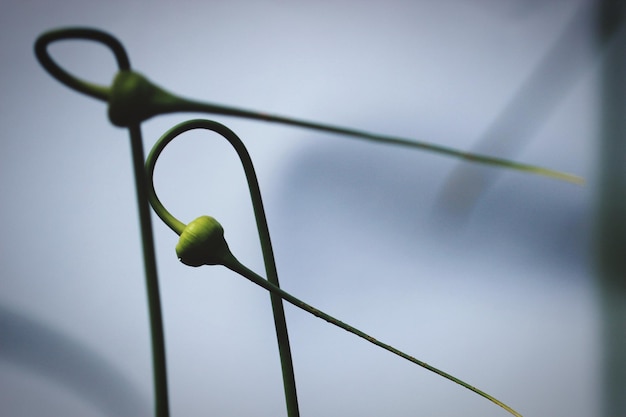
{"type": "Point", "coordinates": [93, 90]}
{"type": "Point", "coordinates": [263, 231]}
{"type": "Point", "coordinates": [206, 246]}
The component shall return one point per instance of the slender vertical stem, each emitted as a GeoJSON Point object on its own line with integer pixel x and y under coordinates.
{"type": "Point", "coordinates": [280, 323]}
{"type": "Point", "coordinates": [104, 93]}
{"type": "Point", "coordinates": [152, 283]}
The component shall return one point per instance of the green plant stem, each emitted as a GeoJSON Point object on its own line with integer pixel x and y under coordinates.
{"type": "Point", "coordinates": [276, 292]}
{"type": "Point", "coordinates": [196, 106]}
{"type": "Point", "coordinates": [103, 93]}
{"type": "Point", "coordinates": [132, 98]}
{"type": "Point", "coordinates": [91, 89]}
{"type": "Point", "coordinates": [152, 282]}
{"type": "Point", "coordinates": [177, 226]}
{"type": "Point", "coordinates": [234, 265]}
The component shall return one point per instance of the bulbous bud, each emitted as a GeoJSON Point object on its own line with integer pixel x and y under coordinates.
{"type": "Point", "coordinates": [134, 99]}
{"type": "Point", "coordinates": [202, 243]}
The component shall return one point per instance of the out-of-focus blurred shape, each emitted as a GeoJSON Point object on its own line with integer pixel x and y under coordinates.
{"type": "Point", "coordinates": [611, 204]}
{"type": "Point", "coordinates": [53, 355]}
{"type": "Point", "coordinates": [537, 97]}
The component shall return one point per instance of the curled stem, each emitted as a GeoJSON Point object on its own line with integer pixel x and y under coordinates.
{"type": "Point", "coordinates": [132, 98]}
{"type": "Point", "coordinates": [104, 93]}
{"type": "Point", "coordinates": [178, 227]}
{"type": "Point", "coordinates": [202, 243]}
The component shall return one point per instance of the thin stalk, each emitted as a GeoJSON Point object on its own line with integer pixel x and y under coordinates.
{"type": "Point", "coordinates": [234, 265]}
{"type": "Point", "coordinates": [196, 106]}
{"type": "Point", "coordinates": [284, 348]}
{"type": "Point", "coordinates": [152, 282]}
{"type": "Point", "coordinates": [525, 113]}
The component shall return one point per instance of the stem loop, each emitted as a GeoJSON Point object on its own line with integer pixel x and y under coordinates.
{"type": "Point", "coordinates": [266, 245]}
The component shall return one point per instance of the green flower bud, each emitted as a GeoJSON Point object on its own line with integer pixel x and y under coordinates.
{"type": "Point", "coordinates": [202, 243]}
{"type": "Point", "coordinates": [134, 99]}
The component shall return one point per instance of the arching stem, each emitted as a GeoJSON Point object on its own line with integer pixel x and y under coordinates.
{"type": "Point", "coordinates": [177, 226]}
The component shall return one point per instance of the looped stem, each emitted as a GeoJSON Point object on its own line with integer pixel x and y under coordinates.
{"type": "Point", "coordinates": [210, 241]}
{"type": "Point", "coordinates": [104, 93]}
{"type": "Point", "coordinates": [75, 83]}
{"type": "Point", "coordinates": [259, 212]}
{"type": "Point", "coordinates": [133, 98]}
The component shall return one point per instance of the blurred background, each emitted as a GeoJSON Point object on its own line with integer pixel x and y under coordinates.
{"type": "Point", "coordinates": [485, 273]}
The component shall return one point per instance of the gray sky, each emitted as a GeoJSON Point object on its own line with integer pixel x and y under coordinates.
{"type": "Point", "coordinates": [504, 300]}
